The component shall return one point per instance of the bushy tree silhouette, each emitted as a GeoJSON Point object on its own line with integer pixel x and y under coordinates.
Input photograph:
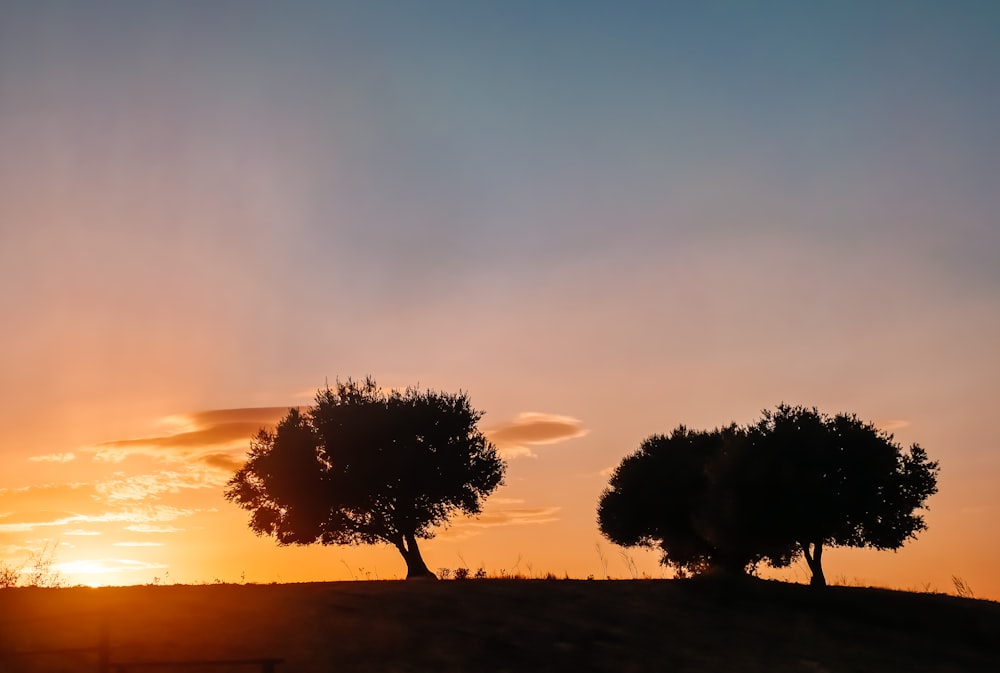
{"type": "Point", "coordinates": [836, 481]}
{"type": "Point", "coordinates": [366, 466]}
{"type": "Point", "coordinates": [682, 493]}
{"type": "Point", "coordinates": [792, 483]}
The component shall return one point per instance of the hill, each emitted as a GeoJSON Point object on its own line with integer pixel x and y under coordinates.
{"type": "Point", "coordinates": [506, 625]}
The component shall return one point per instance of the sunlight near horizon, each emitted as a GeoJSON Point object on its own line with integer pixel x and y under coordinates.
{"type": "Point", "coordinates": [96, 573]}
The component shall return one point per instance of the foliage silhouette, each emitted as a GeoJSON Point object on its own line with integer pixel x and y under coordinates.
{"type": "Point", "coordinates": [677, 493]}
{"type": "Point", "coordinates": [365, 466]}
{"type": "Point", "coordinates": [837, 481]}
{"type": "Point", "coordinates": [9, 575]}
{"type": "Point", "coordinates": [792, 484]}
{"type": "Point", "coordinates": [38, 570]}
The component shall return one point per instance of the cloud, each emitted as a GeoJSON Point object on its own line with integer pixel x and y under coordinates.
{"type": "Point", "coordinates": [77, 510]}
{"type": "Point", "coordinates": [151, 486]}
{"type": "Point", "coordinates": [509, 513]}
{"type": "Point", "coordinates": [225, 462]}
{"type": "Point", "coordinates": [138, 544]}
{"type": "Point", "coordinates": [515, 517]}
{"type": "Point", "coordinates": [209, 446]}
{"type": "Point", "coordinates": [257, 416]}
{"type": "Point", "coordinates": [198, 435]}
{"type": "Point", "coordinates": [515, 438]}
{"type": "Point", "coordinates": [53, 458]}
{"type": "Point", "coordinates": [31, 520]}
{"type": "Point", "coordinates": [975, 509]}
{"type": "Point", "coordinates": [514, 451]}
{"type": "Point", "coordinates": [9, 550]}
{"type": "Point", "coordinates": [498, 500]}
{"type": "Point", "coordinates": [149, 528]}
{"type": "Point", "coordinates": [892, 425]}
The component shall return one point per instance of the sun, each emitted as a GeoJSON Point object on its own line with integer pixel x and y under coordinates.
{"type": "Point", "coordinates": [91, 573]}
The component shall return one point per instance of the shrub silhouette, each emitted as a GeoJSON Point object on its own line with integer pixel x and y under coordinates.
{"type": "Point", "coordinates": [366, 466]}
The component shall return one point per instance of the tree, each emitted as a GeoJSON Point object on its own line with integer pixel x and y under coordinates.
{"type": "Point", "coordinates": [677, 492]}
{"type": "Point", "coordinates": [837, 481]}
{"type": "Point", "coordinates": [791, 484]}
{"type": "Point", "coordinates": [365, 466]}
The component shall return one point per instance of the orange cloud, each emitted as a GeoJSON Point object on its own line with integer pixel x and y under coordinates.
{"type": "Point", "coordinates": [508, 513]}
{"type": "Point", "coordinates": [203, 450]}
{"type": "Point", "coordinates": [515, 517]}
{"type": "Point", "coordinates": [891, 425]}
{"type": "Point", "coordinates": [514, 439]}
{"type": "Point", "coordinates": [254, 415]}
{"type": "Point", "coordinates": [223, 461]}
{"type": "Point", "coordinates": [28, 521]}
{"type": "Point", "coordinates": [198, 433]}
{"type": "Point", "coordinates": [149, 528]}
{"type": "Point", "coordinates": [151, 486]}
{"type": "Point", "coordinates": [53, 458]}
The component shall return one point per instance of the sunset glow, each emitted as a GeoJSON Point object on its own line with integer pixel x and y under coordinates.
{"type": "Point", "coordinates": [601, 221]}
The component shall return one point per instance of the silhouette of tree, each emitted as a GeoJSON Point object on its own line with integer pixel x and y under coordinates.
{"type": "Point", "coordinates": [836, 481]}
{"type": "Point", "coordinates": [794, 483]}
{"type": "Point", "coordinates": [365, 466]}
{"type": "Point", "coordinates": [676, 493]}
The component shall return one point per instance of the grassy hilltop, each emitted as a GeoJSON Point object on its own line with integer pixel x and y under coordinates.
{"type": "Point", "coordinates": [508, 625]}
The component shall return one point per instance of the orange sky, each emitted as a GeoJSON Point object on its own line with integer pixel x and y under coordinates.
{"type": "Point", "coordinates": [148, 505]}
{"type": "Point", "coordinates": [600, 222]}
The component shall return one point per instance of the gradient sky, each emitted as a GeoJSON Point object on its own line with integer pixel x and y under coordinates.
{"type": "Point", "coordinates": [600, 219]}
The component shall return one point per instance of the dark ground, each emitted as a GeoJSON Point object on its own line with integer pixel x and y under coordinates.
{"type": "Point", "coordinates": [507, 625]}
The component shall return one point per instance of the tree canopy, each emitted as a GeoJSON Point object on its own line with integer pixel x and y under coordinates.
{"type": "Point", "coordinates": [788, 485]}
{"type": "Point", "coordinates": [367, 466]}
{"type": "Point", "coordinates": [837, 481]}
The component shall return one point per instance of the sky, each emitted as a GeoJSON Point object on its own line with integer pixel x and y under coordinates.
{"type": "Point", "coordinates": [601, 220]}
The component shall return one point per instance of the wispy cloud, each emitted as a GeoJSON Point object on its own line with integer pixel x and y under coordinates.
{"type": "Point", "coordinates": [508, 512]}
{"type": "Point", "coordinates": [137, 544]}
{"type": "Point", "coordinates": [891, 425]}
{"type": "Point", "coordinates": [975, 509]}
{"type": "Point", "coordinates": [8, 551]}
{"type": "Point", "coordinates": [54, 458]}
{"type": "Point", "coordinates": [150, 486]}
{"type": "Point", "coordinates": [24, 522]}
{"type": "Point", "coordinates": [204, 435]}
{"type": "Point", "coordinates": [515, 517]}
{"type": "Point", "coordinates": [209, 446]}
{"type": "Point", "coordinates": [515, 438]}
{"type": "Point", "coordinates": [225, 462]}
{"type": "Point", "coordinates": [82, 533]}
{"type": "Point", "coordinates": [149, 528]}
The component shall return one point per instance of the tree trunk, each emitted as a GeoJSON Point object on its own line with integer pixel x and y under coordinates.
{"type": "Point", "coordinates": [815, 562]}
{"type": "Point", "coordinates": [415, 566]}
